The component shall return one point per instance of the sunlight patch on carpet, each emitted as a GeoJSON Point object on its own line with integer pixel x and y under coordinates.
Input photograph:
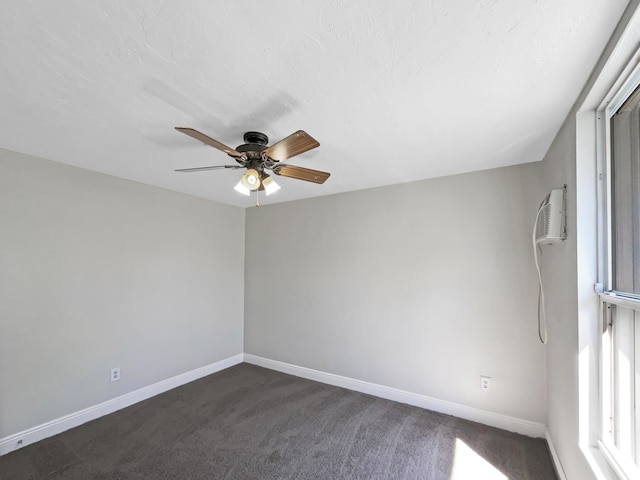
{"type": "Point", "coordinates": [468, 465]}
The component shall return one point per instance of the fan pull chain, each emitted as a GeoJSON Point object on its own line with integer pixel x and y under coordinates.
{"type": "Point", "coordinates": [257, 200]}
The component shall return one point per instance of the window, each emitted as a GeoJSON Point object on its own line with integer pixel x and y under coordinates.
{"type": "Point", "coordinates": [620, 347]}
{"type": "Point", "coordinates": [625, 198]}
{"type": "Point", "coordinates": [621, 385]}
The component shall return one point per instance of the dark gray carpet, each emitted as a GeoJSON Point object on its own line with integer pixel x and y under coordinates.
{"type": "Point", "coordinates": [247, 422]}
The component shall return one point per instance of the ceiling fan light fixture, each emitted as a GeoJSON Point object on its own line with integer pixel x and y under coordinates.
{"type": "Point", "coordinates": [242, 189]}
{"type": "Point", "coordinates": [270, 185]}
{"type": "Point", "coordinates": [251, 179]}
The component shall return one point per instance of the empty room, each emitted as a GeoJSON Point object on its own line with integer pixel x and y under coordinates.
{"type": "Point", "coordinates": [320, 240]}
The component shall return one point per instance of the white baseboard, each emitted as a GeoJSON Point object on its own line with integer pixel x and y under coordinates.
{"type": "Point", "coordinates": [59, 425]}
{"type": "Point", "coordinates": [512, 424]}
{"type": "Point", "coordinates": [554, 456]}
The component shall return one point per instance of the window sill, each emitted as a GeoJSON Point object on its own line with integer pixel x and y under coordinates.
{"type": "Point", "coordinates": [625, 469]}
{"type": "Point", "coordinates": [599, 464]}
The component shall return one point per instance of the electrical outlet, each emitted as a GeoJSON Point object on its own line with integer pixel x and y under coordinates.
{"type": "Point", "coordinates": [115, 374]}
{"type": "Point", "coordinates": [485, 383]}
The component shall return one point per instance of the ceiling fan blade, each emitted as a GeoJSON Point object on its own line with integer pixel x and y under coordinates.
{"type": "Point", "coordinates": [202, 169]}
{"type": "Point", "coordinates": [293, 145]}
{"type": "Point", "coordinates": [300, 173]}
{"type": "Point", "coordinates": [209, 141]}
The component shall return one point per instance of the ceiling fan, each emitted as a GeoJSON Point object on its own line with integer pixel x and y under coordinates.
{"type": "Point", "coordinates": [258, 159]}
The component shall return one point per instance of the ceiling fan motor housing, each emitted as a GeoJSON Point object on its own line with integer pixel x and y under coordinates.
{"type": "Point", "coordinates": [257, 138]}
{"type": "Point", "coordinates": [256, 143]}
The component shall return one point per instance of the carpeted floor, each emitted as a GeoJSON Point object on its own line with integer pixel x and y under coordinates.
{"type": "Point", "coordinates": [247, 422]}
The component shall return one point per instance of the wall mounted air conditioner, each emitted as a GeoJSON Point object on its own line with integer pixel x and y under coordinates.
{"type": "Point", "coordinates": [551, 223]}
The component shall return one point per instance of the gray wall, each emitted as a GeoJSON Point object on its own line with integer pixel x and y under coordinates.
{"type": "Point", "coordinates": [571, 269]}
{"type": "Point", "coordinates": [98, 272]}
{"type": "Point", "coordinates": [560, 279]}
{"type": "Point", "coordinates": [421, 286]}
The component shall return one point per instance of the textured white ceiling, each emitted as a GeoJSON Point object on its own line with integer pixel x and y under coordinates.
{"type": "Point", "coordinates": [394, 91]}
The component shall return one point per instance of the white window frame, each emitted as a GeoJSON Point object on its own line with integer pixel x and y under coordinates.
{"type": "Point", "coordinates": [620, 464]}
{"type": "Point", "coordinates": [593, 422]}
{"type": "Point", "coordinates": [619, 69]}
{"type": "Point", "coordinates": [608, 298]}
